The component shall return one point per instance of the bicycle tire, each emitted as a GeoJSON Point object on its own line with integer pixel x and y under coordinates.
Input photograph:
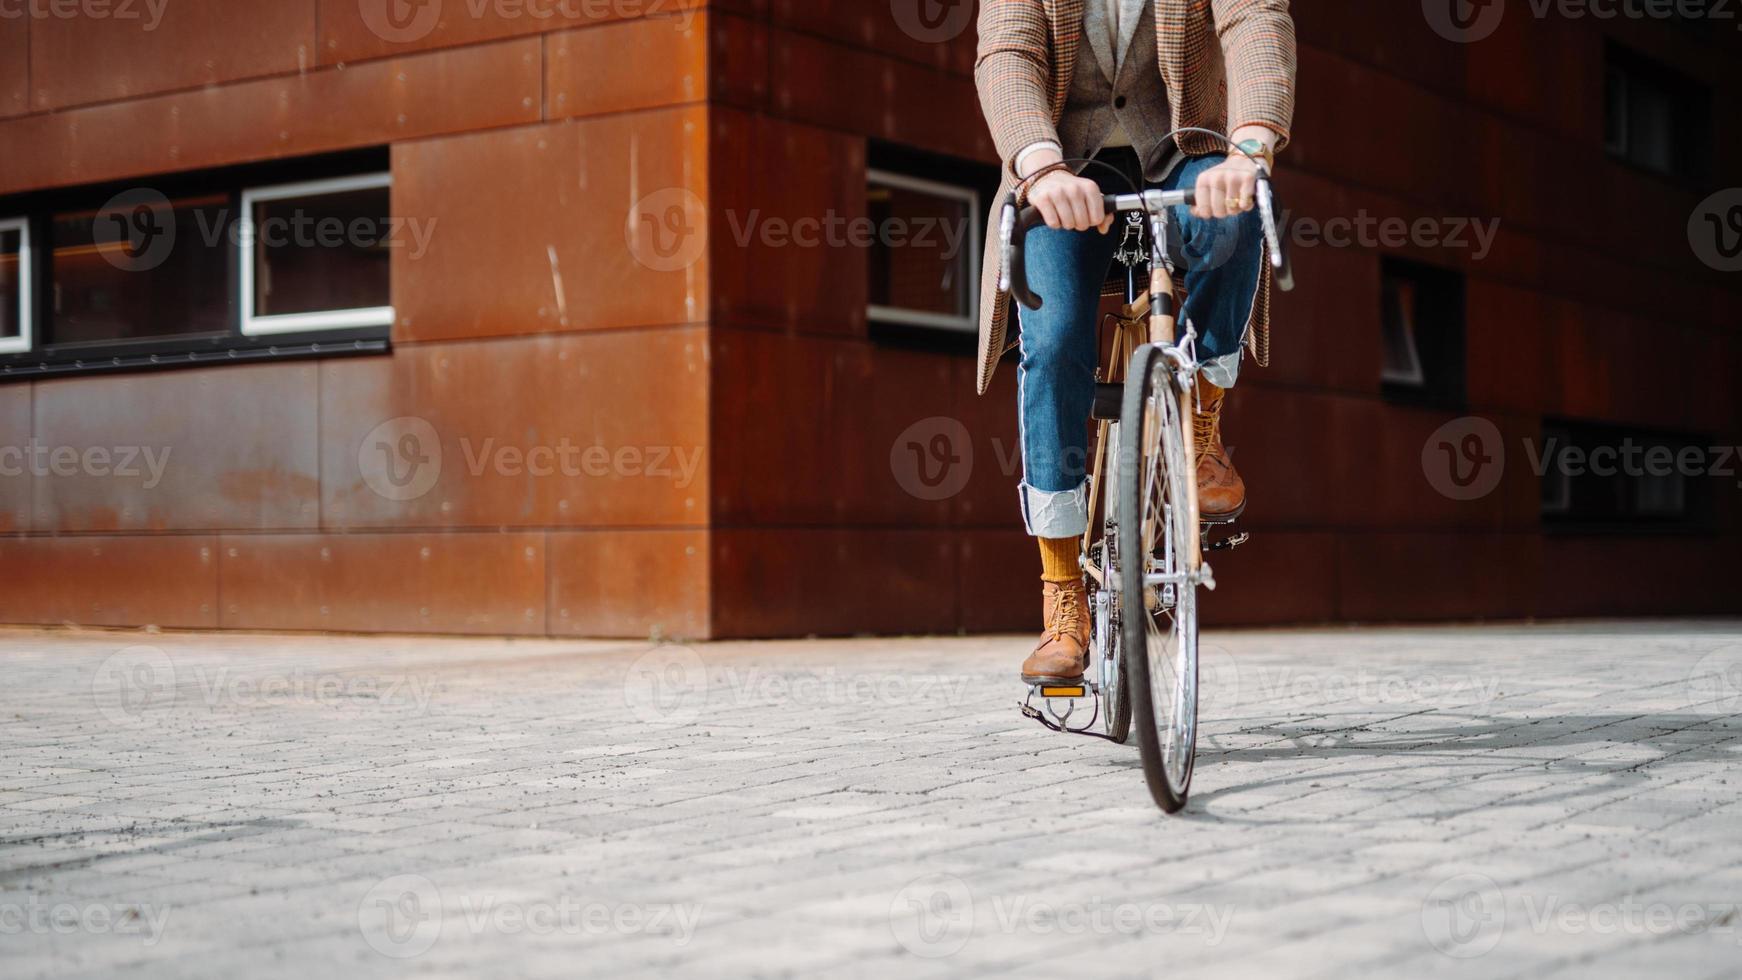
{"type": "Point", "coordinates": [1164, 679]}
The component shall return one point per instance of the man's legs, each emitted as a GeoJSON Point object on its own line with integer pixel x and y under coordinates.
{"type": "Point", "coordinates": [1223, 260]}
{"type": "Point", "coordinates": [1055, 390]}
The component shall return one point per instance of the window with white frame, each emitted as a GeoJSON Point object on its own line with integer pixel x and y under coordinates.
{"type": "Point", "coordinates": [316, 255]}
{"type": "Point", "coordinates": [923, 262]}
{"type": "Point", "coordinates": [259, 261]}
{"type": "Point", "coordinates": [15, 280]}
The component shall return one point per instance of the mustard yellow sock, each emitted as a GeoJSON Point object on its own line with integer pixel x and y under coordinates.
{"type": "Point", "coordinates": [1060, 560]}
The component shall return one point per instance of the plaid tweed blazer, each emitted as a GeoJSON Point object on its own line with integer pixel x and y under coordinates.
{"type": "Point", "coordinates": [1226, 63]}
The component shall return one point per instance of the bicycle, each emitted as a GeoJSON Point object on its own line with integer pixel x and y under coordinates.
{"type": "Point", "coordinates": [1143, 652]}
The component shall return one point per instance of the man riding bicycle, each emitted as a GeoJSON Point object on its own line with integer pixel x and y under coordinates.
{"type": "Point", "coordinates": [1062, 81]}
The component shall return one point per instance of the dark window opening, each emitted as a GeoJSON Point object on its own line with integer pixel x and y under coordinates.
{"type": "Point", "coordinates": [1423, 334]}
{"type": "Point", "coordinates": [927, 215]}
{"type": "Point", "coordinates": [1656, 118]}
{"type": "Point", "coordinates": [138, 271]}
{"type": "Point", "coordinates": [1604, 476]}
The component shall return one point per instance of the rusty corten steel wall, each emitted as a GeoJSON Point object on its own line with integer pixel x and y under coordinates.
{"type": "Point", "coordinates": [524, 140]}
{"type": "Point", "coordinates": [538, 146]}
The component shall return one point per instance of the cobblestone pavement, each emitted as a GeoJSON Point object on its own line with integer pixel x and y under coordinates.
{"type": "Point", "coordinates": [1495, 802]}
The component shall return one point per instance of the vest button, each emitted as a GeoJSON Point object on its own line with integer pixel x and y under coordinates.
{"type": "Point", "coordinates": [1119, 103]}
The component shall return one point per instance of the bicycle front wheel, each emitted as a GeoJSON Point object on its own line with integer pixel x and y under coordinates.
{"type": "Point", "coordinates": [1160, 558]}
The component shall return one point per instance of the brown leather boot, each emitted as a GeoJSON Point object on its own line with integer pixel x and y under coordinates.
{"type": "Point", "coordinates": [1221, 492]}
{"type": "Point", "coordinates": [1063, 652]}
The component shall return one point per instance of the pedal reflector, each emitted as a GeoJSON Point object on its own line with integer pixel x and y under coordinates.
{"type": "Point", "coordinates": [1075, 691]}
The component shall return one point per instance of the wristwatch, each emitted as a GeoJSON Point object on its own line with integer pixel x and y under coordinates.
{"type": "Point", "coordinates": [1259, 149]}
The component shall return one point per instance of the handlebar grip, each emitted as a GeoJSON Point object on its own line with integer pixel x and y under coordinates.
{"type": "Point", "coordinates": [1027, 219]}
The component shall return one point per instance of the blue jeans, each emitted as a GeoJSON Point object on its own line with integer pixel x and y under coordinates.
{"type": "Point", "coordinates": [1222, 260]}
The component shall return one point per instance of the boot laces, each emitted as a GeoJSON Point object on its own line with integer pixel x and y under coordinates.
{"type": "Point", "coordinates": [1067, 613]}
{"type": "Point", "coordinates": [1207, 431]}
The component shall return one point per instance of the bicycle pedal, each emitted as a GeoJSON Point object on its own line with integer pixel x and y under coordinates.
{"type": "Point", "coordinates": [1229, 543]}
{"type": "Point", "coordinates": [1051, 690]}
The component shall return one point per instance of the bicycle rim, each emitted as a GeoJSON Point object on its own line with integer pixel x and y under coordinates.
{"type": "Point", "coordinates": [1160, 618]}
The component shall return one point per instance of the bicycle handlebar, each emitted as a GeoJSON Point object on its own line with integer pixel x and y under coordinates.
{"type": "Point", "coordinates": [1015, 225]}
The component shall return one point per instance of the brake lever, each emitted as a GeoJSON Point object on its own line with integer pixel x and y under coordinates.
{"type": "Point", "coordinates": [1006, 244]}
{"type": "Point", "coordinates": [1272, 233]}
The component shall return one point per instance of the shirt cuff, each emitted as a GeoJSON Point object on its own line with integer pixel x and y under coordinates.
{"type": "Point", "coordinates": [1032, 147]}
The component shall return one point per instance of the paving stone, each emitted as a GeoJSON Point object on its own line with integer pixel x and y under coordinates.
{"type": "Point", "coordinates": [1483, 802]}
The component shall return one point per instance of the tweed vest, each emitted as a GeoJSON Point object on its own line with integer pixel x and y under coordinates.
{"type": "Point", "coordinates": [1103, 97]}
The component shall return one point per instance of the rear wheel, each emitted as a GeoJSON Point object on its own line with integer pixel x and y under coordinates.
{"type": "Point", "coordinates": [1158, 564]}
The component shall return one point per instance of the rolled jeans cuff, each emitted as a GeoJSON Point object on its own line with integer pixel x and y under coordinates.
{"type": "Point", "coordinates": [1222, 371]}
{"type": "Point", "coordinates": [1056, 515]}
